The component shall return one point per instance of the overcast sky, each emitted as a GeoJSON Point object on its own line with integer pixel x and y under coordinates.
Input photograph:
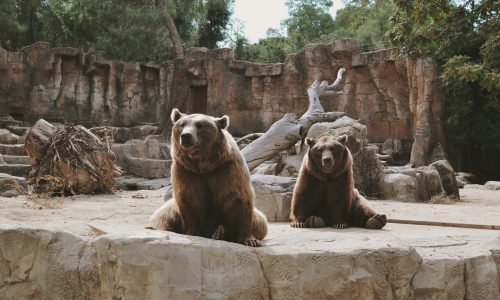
{"type": "Point", "coordinates": [259, 15]}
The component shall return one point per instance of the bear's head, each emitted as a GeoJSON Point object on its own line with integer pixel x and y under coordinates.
{"type": "Point", "coordinates": [328, 153]}
{"type": "Point", "coordinates": [196, 131]}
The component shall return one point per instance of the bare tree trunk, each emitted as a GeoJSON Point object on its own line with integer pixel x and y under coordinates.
{"type": "Point", "coordinates": [174, 99]}
{"type": "Point", "coordinates": [174, 37]}
{"type": "Point", "coordinates": [288, 130]}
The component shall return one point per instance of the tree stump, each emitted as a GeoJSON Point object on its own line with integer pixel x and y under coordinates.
{"type": "Point", "coordinates": [69, 160]}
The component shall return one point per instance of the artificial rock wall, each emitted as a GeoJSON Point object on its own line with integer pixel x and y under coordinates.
{"type": "Point", "coordinates": [393, 95]}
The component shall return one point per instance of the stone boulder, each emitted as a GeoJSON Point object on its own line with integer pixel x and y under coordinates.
{"type": "Point", "coordinates": [266, 168]}
{"type": "Point", "coordinates": [273, 196]}
{"type": "Point", "coordinates": [124, 134]}
{"type": "Point", "coordinates": [492, 185]}
{"type": "Point", "coordinates": [464, 178]}
{"type": "Point", "coordinates": [7, 137]}
{"type": "Point", "coordinates": [345, 125]}
{"type": "Point", "coordinates": [399, 186]}
{"type": "Point", "coordinates": [429, 183]}
{"type": "Point", "coordinates": [406, 183]}
{"type": "Point", "coordinates": [148, 158]}
{"type": "Point", "coordinates": [447, 175]}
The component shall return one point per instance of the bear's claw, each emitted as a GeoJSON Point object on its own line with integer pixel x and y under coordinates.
{"type": "Point", "coordinates": [218, 233]}
{"type": "Point", "coordinates": [311, 222]}
{"type": "Point", "coordinates": [376, 222]}
{"type": "Point", "coordinates": [252, 243]}
{"type": "Point", "coordinates": [340, 226]}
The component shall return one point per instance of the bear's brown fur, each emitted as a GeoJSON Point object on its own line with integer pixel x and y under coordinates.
{"type": "Point", "coordinates": [213, 195]}
{"type": "Point", "coordinates": [324, 193]}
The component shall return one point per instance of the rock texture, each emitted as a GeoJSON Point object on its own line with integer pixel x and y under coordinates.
{"type": "Point", "coordinates": [64, 84]}
{"type": "Point", "coordinates": [394, 96]}
{"type": "Point", "coordinates": [54, 254]}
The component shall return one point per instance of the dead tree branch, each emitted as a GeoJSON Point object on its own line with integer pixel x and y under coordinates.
{"type": "Point", "coordinates": [287, 131]}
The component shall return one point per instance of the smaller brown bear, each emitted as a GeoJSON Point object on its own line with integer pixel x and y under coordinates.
{"type": "Point", "coordinates": [324, 194]}
{"type": "Point", "coordinates": [213, 194]}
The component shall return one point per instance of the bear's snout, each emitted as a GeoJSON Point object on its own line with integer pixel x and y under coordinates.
{"type": "Point", "coordinates": [327, 160]}
{"type": "Point", "coordinates": [187, 139]}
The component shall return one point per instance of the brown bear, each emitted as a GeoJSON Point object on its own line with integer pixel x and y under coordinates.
{"type": "Point", "coordinates": [213, 195]}
{"type": "Point", "coordinates": [324, 194]}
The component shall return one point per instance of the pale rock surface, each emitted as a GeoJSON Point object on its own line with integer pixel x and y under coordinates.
{"type": "Point", "coordinates": [54, 254]}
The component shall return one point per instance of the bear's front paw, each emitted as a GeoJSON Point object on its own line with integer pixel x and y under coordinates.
{"type": "Point", "coordinates": [311, 222]}
{"type": "Point", "coordinates": [376, 222]}
{"type": "Point", "coordinates": [340, 225]}
{"type": "Point", "coordinates": [251, 243]}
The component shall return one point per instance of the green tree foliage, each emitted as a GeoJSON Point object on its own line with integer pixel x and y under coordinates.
{"type": "Point", "coordinates": [9, 23]}
{"type": "Point", "coordinates": [213, 27]}
{"type": "Point", "coordinates": [123, 29]}
{"type": "Point", "coordinates": [465, 39]}
{"type": "Point", "coordinates": [308, 20]}
{"type": "Point", "coordinates": [368, 22]}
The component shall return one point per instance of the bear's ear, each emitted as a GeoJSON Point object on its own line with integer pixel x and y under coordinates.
{"type": "Point", "coordinates": [343, 139]}
{"type": "Point", "coordinates": [222, 122]}
{"type": "Point", "coordinates": [310, 142]}
{"type": "Point", "coordinates": [176, 115]}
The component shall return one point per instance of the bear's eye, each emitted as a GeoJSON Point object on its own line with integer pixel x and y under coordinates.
{"type": "Point", "coordinates": [337, 150]}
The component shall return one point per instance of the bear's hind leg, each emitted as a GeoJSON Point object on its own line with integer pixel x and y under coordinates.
{"type": "Point", "coordinates": [362, 215]}
{"type": "Point", "coordinates": [167, 217]}
{"type": "Point", "coordinates": [259, 224]}
{"type": "Point", "coordinates": [376, 222]}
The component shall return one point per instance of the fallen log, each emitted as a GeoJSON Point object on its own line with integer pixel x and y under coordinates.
{"type": "Point", "coordinates": [69, 160]}
{"type": "Point", "coordinates": [444, 224]}
{"type": "Point", "coordinates": [287, 131]}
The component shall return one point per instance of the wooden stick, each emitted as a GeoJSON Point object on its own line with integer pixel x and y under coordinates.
{"type": "Point", "coordinates": [445, 224]}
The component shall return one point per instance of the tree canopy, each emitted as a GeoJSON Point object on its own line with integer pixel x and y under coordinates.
{"type": "Point", "coordinates": [465, 40]}
{"type": "Point", "coordinates": [120, 28]}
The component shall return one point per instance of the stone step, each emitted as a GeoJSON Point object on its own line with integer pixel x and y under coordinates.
{"type": "Point", "coordinates": [19, 130]}
{"type": "Point", "coordinates": [20, 170]}
{"type": "Point", "coordinates": [12, 149]}
{"type": "Point", "coordinates": [16, 159]}
{"type": "Point", "coordinates": [4, 123]}
{"type": "Point", "coordinates": [384, 157]}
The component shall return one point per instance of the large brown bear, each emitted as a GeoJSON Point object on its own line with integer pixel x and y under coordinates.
{"type": "Point", "coordinates": [324, 194]}
{"type": "Point", "coordinates": [213, 195]}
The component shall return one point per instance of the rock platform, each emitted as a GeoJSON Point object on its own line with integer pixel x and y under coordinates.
{"type": "Point", "coordinates": [96, 247]}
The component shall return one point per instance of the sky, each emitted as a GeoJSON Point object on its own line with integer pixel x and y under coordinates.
{"type": "Point", "coordinates": [259, 15]}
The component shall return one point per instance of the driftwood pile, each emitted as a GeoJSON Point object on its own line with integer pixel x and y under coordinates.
{"type": "Point", "coordinates": [70, 160]}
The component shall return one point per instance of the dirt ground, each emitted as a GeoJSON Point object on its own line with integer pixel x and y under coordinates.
{"type": "Point", "coordinates": [86, 216]}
